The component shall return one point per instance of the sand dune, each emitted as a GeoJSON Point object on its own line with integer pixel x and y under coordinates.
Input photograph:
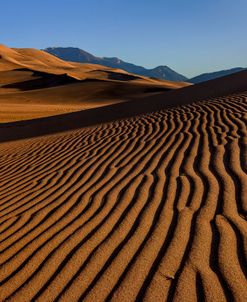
{"type": "Point", "coordinates": [151, 207]}
{"type": "Point", "coordinates": [31, 58]}
{"type": "Point", "coordinates": [143, 199]}
{"type": "Point", "coordinates": [35, 84]}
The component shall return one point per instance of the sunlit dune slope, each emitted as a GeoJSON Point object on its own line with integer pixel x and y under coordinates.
{"type": "Point", "coordinates": [31, 58]}
{"type": "Point", "coordinates": [34, 83]}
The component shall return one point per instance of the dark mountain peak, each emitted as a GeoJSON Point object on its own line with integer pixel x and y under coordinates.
{"type": "Point", "coordinates": [162, 67]}
{"type": "Point", "coordinates": [73, 54]}
{"type": "Point", "coordinates": [67, 49]}
{"type": "Point", "coordinates": [166, 73]}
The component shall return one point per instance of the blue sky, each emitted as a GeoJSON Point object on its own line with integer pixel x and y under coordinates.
{"type": "Point", "coordinates": [190, 36]}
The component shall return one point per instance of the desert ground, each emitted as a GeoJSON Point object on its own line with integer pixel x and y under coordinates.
{"type": "Point", "coordinates": [116, 187]}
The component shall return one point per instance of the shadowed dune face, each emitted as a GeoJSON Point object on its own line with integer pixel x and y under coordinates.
{"type": "Point", "coordinates": [148, 208]}
{"type": "Point", "coordinates": [66, 95]}
{"type": "Point", "coordinates": [42, 81]}
{"type": "Point", "coordinates": [105, 104]}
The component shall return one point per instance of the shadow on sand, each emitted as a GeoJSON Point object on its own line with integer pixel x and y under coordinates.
{"type": "Point", "coordinates": [231, 84]}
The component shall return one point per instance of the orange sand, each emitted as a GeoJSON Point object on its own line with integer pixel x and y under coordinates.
{"type": "Point", "coordinates": [31, 78]}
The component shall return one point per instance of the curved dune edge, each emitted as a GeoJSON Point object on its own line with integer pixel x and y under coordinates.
{"type": "Point", "coordinates": [150, 208]}
{"type": "Point", "coordinates": [227, 85]}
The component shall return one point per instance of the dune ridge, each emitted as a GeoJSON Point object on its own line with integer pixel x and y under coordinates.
{"type": "Point", "coordinates": [150, 207]}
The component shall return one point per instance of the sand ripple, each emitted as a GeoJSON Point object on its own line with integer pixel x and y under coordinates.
{"type": "Point", "coordinates": [148, 208]}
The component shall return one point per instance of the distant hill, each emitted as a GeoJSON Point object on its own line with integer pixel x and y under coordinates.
{"type": "Point", "coordinates": [78, 55]}
{"type": "Point", "coordinates": [213, 75]}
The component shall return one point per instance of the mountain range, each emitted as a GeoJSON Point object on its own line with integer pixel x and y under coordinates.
{"type": "Point", "coordinates": [161, 72]}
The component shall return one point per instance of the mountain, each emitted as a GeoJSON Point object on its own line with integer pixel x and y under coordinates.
{"type": "Point", "coordinates": [213, 75]}
{"type": "Point", "coordinates": [78, 55]}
